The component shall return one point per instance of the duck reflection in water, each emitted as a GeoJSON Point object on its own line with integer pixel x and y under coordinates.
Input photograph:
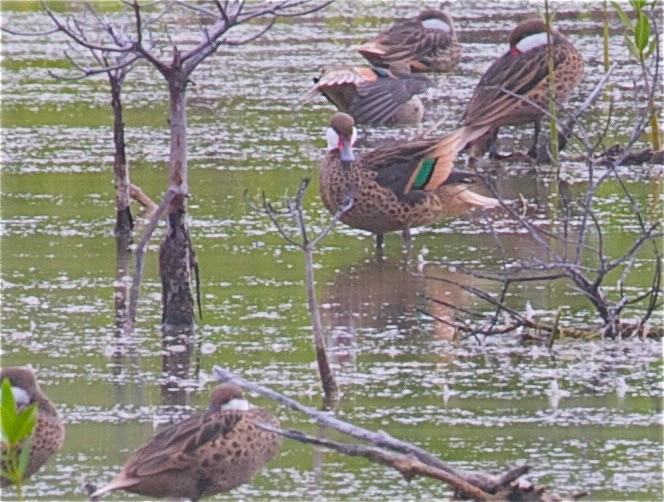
{"type": "Point", "coordinates": [384, 297]}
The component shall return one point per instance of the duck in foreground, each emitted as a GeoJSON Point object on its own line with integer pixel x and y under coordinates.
{"type": "Point", "coordinates": [373, 95]}
{"type": "Point", "coordinates": [396, 187]}
{"type": "Point", "coordinates": [524, 71]}
{"type": "Point", "coordinates": [426, 42]}
{"type": "Point", "coordinates": [206, 454]}
{"type": "Point", "coordinates": [49, 432]}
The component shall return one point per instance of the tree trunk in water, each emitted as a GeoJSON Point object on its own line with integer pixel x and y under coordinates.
{"type": "Point", "coordinates": [175, 256]}
{"type": "Point", "coordinates": [123, 222]}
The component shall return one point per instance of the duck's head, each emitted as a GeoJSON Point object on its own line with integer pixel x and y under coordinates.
{"type": "Point", "coordinates": [434, 19]}
{"type": "Point", "coordinates": [228, 396]}
{"type": "Point", "coordinates": [342, 135]}
{"type": "Point", "coordinates": [528, 35]}
{"type": "Point", "coordinates": [24, 386]}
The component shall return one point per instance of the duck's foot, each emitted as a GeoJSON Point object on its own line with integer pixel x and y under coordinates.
{"type": "Point", "coordinates": [532, 152]}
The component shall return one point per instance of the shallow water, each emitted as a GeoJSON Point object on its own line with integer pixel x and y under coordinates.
{"type": "Point", "coordinates": [394, 363]}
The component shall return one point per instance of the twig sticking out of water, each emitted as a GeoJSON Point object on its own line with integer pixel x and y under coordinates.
{"type": "Point", "coordinates": [295, 212]}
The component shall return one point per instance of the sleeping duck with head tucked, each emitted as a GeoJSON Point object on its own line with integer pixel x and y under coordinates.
{"type": "Point", "coordinates": [426, 42]}
{"type": "Point", "coordinates": [204, 455]}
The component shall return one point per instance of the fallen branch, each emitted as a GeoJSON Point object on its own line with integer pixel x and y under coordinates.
{"type": "Point", "coordinates": [486, 482]}
{"type": "Point", "coordinates": [408, 466]}
{"type": "Point", "coordinates": [140, 196]}
{"type": "Point", "coordinates": [626, 329]}
{"type": "Point", "coordinates": [130, 319]}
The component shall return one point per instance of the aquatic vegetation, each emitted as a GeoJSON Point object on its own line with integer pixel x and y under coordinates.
{"type": "Point", "coordinates": [16, 427]}
{"type": "Point", "coordinates": [643, 43]}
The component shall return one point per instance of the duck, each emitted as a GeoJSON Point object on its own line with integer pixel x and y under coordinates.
{"type": "Point", "coordinates": [396, 187]}
{"type": "Point", "coordinates": [523, 70]}
{"type": "Point", "coordinates": [426, 42]}
{"type": "Point", "coordinates": [49, 432]}
{"type": "Point", "coordinates": [373, 95]}
{"type": "Point", "coordinates": [206, 454]}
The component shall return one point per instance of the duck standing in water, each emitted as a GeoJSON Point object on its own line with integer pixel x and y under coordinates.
{"type": "Point", "coordinates": [426, 42]}
{"type": "Point", "coordinates": [396, 187]}
{"type": "Point", "coordinates": [49, 432]}
{"type": "Point", "coordinates": [523, 70]}
{"type": "Point", "coordinates": [373, 95]}
{"type": "Point", "coordinates": [206, 454]}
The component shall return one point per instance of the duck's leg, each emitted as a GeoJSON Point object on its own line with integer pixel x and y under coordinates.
{"type": "Point", "coordinates": [407, 243]}
{"type": "Point", "coordinates": [379, 245]}
{"type": "Point", "coordinates": [532, 153]}
{"type": "Point", "coordinates": [493, 147]}
{"type": "Point", "coordinates": [493, 144]}
{"type": "Point", "coordinates": [407, 239]}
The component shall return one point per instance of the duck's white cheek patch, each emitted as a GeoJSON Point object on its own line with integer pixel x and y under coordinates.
{"type": "Point", "coordinates": [531, 42]}
{"type": "Point", "coordinates": [20, 396]}
{"type": "Point", "coordinates": [332, 139]}
{"type": "Point", "coordinates": [236, 404]}
{"type": "Point", "coordinates": [436, 24]}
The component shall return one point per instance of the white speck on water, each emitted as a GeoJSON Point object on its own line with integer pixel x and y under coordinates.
{"type": "Point", "coordinates": [208, 348]}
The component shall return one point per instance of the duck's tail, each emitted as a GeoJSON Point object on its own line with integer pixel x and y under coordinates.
{"type": "Point", "coordinates": [371, 48]}
{"type": "Point", "coordinates": [311, 93]}
{"type": "Point", "coordinates": [476, 200]}
{"type": "Point", "coordinates": [117, 484]}
{"type": "Point", "coordinates": [450, 145]}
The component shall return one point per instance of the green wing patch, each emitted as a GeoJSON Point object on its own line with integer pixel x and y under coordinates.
{"type": "Point", "coordinates": [426, 169]}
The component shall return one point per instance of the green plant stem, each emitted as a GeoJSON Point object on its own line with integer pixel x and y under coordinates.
{"type": "Point", "coordinates": [19, 489]}
{"type": "Point", "coordinates": [655, 132]}
{"type": "Point", "coordinates": [552, 86]}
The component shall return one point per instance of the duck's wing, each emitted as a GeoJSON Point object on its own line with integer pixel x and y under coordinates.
{"type": "Point", "coordinates": [176, 447]}
{"type": "Point", "coordinates": [396, 165]}
{"type": "Point", "coordinates": [414, 168]}
{"type": "Point", "coordinates": [375, 102]}
{"type": "Point", "coordinates": [518, 73]}
{"type": "Point", "coordinates": [339, 77]}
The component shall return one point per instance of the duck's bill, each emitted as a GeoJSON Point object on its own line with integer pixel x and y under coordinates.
{"type": "Point", "coordinates": [347, 154]}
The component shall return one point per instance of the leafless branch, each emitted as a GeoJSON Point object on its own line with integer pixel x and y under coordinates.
{"type": "Point", "coordinates": [81, 41]}
{"type": "Point", "coordinates": [295, 213]}
{"type": "Point", "coordinates": [27, 33]}
{"type": "Point", "coordinates": [130, 319]}
{"type": "Point", "coordinates": [88, 72]}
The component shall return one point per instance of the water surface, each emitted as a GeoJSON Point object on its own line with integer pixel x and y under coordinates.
{"type": "Point", "coordinates": [247, 132]}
